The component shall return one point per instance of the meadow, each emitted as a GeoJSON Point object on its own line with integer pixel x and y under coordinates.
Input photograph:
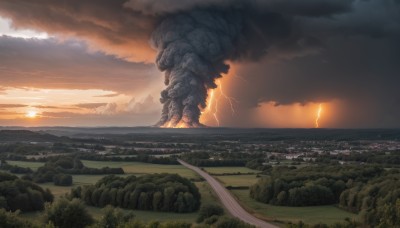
{"type": "Point", "coordinates": [143, 168]}
{"type": "Point", "coordinates": [238, 180]}
{"type": "Point", "coordinates": [33, 165]}
{"type": "Point", "coordinates": [310, 215]}
{"type": "Point", "coordinates": [229, 170]}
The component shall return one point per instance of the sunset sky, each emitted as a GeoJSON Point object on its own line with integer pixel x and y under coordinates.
{"type": "Point", "coordinates": [90, 63]}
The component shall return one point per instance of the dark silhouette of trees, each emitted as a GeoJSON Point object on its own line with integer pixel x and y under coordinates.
{"type": "Point", "coordinates": [313, 185]}
{"type": "Point", "coordinates": [208, 210]}
{"type": "Point", "coordinates": [17, 194]}
{"type": "Point", "coordinates": [156, 192]}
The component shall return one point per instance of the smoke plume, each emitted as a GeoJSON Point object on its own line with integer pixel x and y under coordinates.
{"type": "Point", "coordinates": [192, 50]}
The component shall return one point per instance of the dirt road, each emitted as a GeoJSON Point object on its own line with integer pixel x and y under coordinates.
{"type": "Point", "coordinates": [227, 199]}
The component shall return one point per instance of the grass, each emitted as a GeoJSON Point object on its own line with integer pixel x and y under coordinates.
{"type": "Point", "coordinates": [33, 165]}
{"type": "Point", "coordinates": [310, 215]}
{"type": "Point", "coordinates": [237, 180]}
{"type": "Point", "coordinates": [222, 170]}
{"type": "Point", "coordinates": [148, 216]}
{"type": "Point", "coordinates": [143, 168]}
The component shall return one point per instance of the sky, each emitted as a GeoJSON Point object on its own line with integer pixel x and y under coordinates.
{"type": "Point", "coordinates": [292, 64]}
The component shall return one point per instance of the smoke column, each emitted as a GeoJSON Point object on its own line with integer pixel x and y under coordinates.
{"type": "Point", "coordinates": [192, 50]}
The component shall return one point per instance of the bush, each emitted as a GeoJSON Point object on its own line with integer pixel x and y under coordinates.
{"type": "Point", "coordinates": [226, 222]}
{"type": "Point", "coordinates": [112, 217]}
{"type": "Point", "coordinates": [62, 180]}
{"type": "Point", "coordinates": [65, 214]}
{"type": "Point", "coordinates": [209, 210]}
{"type": "Point", "coordinates": [11, 220]}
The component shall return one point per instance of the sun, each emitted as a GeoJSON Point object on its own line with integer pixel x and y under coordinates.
{"type": "Point", "coordinates": [31, 114]}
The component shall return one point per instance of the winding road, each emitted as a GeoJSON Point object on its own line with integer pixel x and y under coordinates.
{"type": "Point", "coordinates": [227, 199]}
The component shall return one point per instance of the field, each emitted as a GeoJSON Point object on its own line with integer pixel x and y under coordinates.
{"type": "Point", "coordinates": [33, 165]}
{"type": "Point", "coordinates": [143, 168]}
{"type": "Point", "coordinates": [237, 180]}
{"type": "Point", "coordinates": [222, 170]}
{"type": "Point", "coordinates": [310, 215]}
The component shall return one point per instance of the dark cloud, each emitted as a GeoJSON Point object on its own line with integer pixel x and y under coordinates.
{"type": "Point", "coordinates": [107, 24]}
{"type": "Point", "coordinates": [123, 27]}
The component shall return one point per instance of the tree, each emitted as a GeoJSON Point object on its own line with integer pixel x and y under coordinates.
{"type": "Point", "coordinates": [113, 217]}
{"type": "Point", "coordinates": [11, 220]}
{"type": "Point", "coordinates": [208, 210]}
{"type": "Point", "coordinates": [65, 214]}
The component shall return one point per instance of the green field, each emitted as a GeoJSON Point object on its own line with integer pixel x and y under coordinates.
{"type": "Point", "coordinates": [310, 215]}
{"type": "Point", "coordinates": [137, 168]}
{"type": "Point", "coordinates": [237, 180]}
{"type": "Point", "coordinates": [222, 170]}
{"type": "Point", "coordinates": [143, 168]}
{"type": "Point", "coordinates": [33, 165]}
{"type": "Point", "coordinates": [147, 216]}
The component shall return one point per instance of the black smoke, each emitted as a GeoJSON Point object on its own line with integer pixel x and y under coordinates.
{"type": "Point", "coordinates": [193, 50]}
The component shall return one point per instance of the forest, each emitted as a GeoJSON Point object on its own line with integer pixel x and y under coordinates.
{"type": "Point", "coordinates": [369, 190]}
{"type": "Point", "coordinates": [155, 192]}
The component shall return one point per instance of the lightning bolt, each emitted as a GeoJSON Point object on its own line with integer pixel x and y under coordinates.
{"type": "Point", "coordinates": [319, 112]}
{"type": "Point", "coordinates": [213, 102]}
{"type": "Point", "coordinates": [229, 99]}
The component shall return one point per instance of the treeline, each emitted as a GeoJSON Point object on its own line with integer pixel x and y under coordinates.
{"type": "Point", "coordinates": [205, 159]}
{"type": "Point", "coordinates": [28, 136]}
{"type": "Point", "coordinates": [21, 148]}
{"type": "Point", "coordinates": [375, 157]}
{"type": "Point", "coordinates": [371, 191]}
{"type": "Point", "coordinates": [377, 201]}
{"type": "Point", "coordinates": [18, 194]}
{"type": "Point", "coordinates": [156, 192]}
{"type": "Point", "coordinates": [59, 170]}
{"type": "Point", "coordinates": [258, 164]}
{"type": "Point", "coordinates": [312, 185]}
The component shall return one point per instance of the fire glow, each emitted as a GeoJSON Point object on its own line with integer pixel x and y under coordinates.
{"type": "Point", "coordinates": [319, 112]}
